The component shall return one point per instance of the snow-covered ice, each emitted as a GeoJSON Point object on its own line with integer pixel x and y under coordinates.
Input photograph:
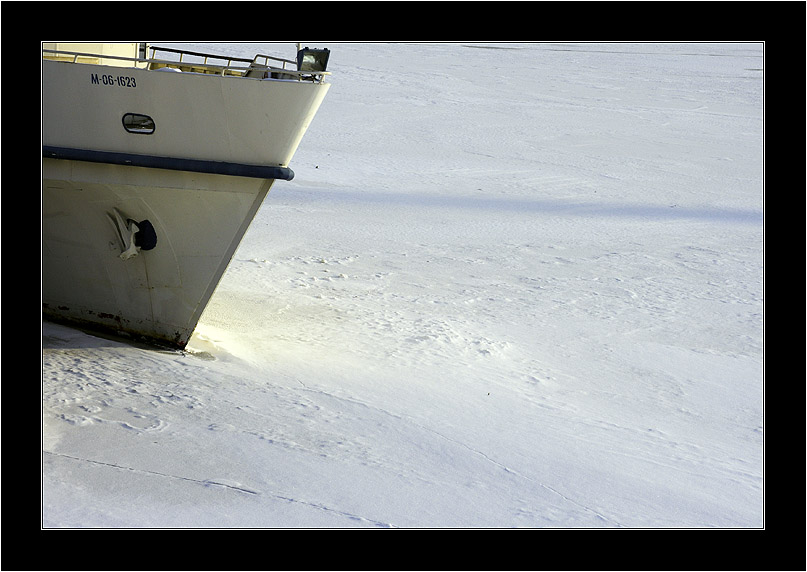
{"type": "Point", "coordinates": [511, 285]}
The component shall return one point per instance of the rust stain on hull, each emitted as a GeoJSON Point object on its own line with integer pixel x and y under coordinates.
{"type": "Point", "coordinates": [113, 326]}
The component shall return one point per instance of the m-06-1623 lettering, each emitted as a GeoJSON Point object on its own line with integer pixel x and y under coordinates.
{"type": "Point", "coordinates": [113, 80]}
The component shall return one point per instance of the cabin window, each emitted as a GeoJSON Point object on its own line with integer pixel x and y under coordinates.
{"type": "Point", "coordinates": [138, 123]}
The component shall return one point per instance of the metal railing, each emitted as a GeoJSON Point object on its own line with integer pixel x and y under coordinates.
{"type": "Point", "coordinates": [211, 64]}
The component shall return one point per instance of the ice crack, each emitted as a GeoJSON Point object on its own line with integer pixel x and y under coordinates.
{"type": "Point", "coordinates": [207, 482]}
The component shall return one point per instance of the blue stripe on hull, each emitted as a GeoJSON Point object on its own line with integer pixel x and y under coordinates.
{"type": "Point", "coordinates": [173, 163]}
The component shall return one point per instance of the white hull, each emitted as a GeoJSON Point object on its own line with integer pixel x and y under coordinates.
{"type": "Point", "coordinates": [198, 177]}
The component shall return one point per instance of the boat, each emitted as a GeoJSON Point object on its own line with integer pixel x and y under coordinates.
{"type": "Point", "coordinates": [155, 160]}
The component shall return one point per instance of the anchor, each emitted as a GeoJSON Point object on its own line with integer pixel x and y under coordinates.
{"type": "Point", "coordinates": [134, 236]}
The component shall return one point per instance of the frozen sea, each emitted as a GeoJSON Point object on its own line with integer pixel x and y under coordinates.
{"type": "Point", "coordinates": [511, 285]}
